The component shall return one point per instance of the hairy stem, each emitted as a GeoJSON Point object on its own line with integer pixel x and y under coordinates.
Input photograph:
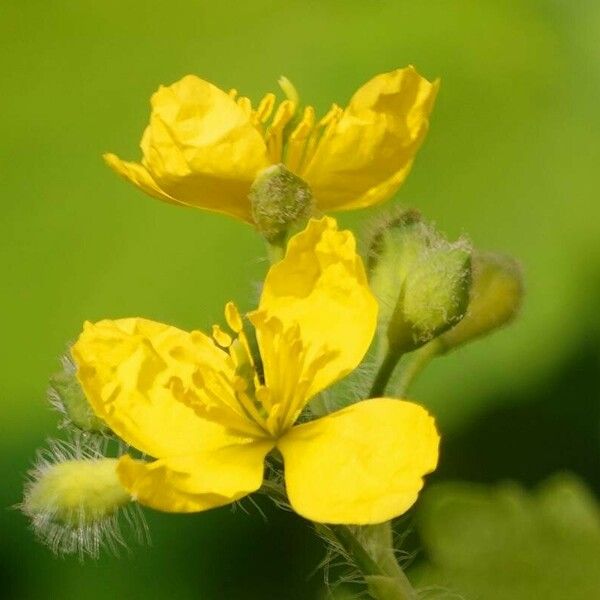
{"type": "Point", "coordinates": [370, 548]}
{"type": "Point", "coordinates": [361, 557]}
{"type": "Point", "coordinates": [385, 578]}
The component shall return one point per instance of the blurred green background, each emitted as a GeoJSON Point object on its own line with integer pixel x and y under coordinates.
{"type": "Point", "coordinates": [512, 160]}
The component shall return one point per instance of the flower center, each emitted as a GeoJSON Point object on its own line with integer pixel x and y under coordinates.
{"type": "Point", "coordinates": [252, 398]}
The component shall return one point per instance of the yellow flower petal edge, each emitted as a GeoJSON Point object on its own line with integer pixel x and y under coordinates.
{"type": "Point", "coordinates": [361, 465]}
{"type": "Point", "coordinates": [198, 482]}
{"type": "Point", "coordinates": [203, 411]}
{"type": "Point", "coordinates": [317, 315]}
{"type": "Point", "coordinates": [139, 176]}
{"type": "Point", "coordinates": [204, 147]}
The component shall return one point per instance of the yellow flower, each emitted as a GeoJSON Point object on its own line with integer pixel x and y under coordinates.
{"type": "Point", "coordinates": [204, 147]}
{"type": "Point", "coordinates": [210, 415]}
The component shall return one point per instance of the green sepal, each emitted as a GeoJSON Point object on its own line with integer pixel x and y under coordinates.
{"type": "Point", "coordinates": [67, 396]}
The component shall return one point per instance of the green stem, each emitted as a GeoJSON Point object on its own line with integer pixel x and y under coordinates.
{"type": "Point", "coordinates": [384, 373]}
{"type": "Point", "coordinates": [361, 557]}
{"type": "Point", "coordinates": [374, 556]}
{"type": "Point", "coordinates": [419, 360]}
{"type": "Point", "coordinates": [270, 488]}
{"type": "Point", "coordinates": [386, 581]}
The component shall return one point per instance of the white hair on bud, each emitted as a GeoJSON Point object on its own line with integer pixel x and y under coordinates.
{"type": "Point", "coordinates": [79, 533]}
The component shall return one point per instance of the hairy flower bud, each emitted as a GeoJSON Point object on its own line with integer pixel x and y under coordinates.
{"type": "Point", "coordinates": [73, 498]}
{"type": "Point", "coordinates": [421, 280]}
{"type": "Point", "coordinates": [78, 492]}
{"type": "Point", "coordinates": [495, 299]}
{"type": "Point", "coordinates": [67, 397]}
{"type": "Point", "coordinates": [280, 201]}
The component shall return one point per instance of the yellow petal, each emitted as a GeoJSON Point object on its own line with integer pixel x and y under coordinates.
{"type": "Point", "coordinates": [219, 475]}
{"type": "Point", "coordinates": [201, 147]}
{"type": "Point", "coordinates": [366, 152]}
{"type": "Point", "coordinates": [139, 176]}
{"type": "Point", "coordinates": [316, 317]}
{"type": "Point", "coordinates": [363, 464]}
{"type": "Point", "coordinates": [139, 375]}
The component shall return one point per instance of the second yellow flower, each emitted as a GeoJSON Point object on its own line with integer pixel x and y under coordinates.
{"type": "Point", "coordinates": [204, 147]}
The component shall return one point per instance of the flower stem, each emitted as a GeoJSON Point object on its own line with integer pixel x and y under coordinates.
{"type": "Point", "coordinates": [351, 544]}
{"type": "Point", "coordinates": [386, 579]}
{"type": "Point", "coordinates": [419, 360]}
{"type": "Point", "coordinates": [370, 548]}
{"type": "Point", "coordinates": [384, 373]}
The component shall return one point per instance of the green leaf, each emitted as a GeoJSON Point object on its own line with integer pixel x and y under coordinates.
{"type": "Point", "coordinates": [505, 543]}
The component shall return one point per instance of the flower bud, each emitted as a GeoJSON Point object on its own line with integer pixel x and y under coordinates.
{"type": "Point", "coordinates": [67, 397]}
{"type": "Point", "coordinates": [280, 201]}
{"type": "Point", "coordinates": [78, 492]}
{"type": "Point", "coordinates": [74, 497]}
{"type": "Point", "coordinates": [420, 279]}
{"type": "Point", "coordinates": [496, 295]}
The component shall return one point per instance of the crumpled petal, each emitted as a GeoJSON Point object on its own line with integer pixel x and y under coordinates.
{"type": "Point", "coordinates": [361, 465]}
{"type": "Point", "coordinates": [215, 477]}
{"type": "Point", "coordinates": [366, 152]}
{"type": "Point", "coordinates": [317, 315]}
{"type": "Point", "coordinates": [131, 371]}
{"type": "Point", "coordinates": [200, 149]}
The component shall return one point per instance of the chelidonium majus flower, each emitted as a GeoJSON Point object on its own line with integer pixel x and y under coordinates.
{"type": "Point", "coordinates": [209, 416]}
{"type": "Point", "coordinates": [204, 147]}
